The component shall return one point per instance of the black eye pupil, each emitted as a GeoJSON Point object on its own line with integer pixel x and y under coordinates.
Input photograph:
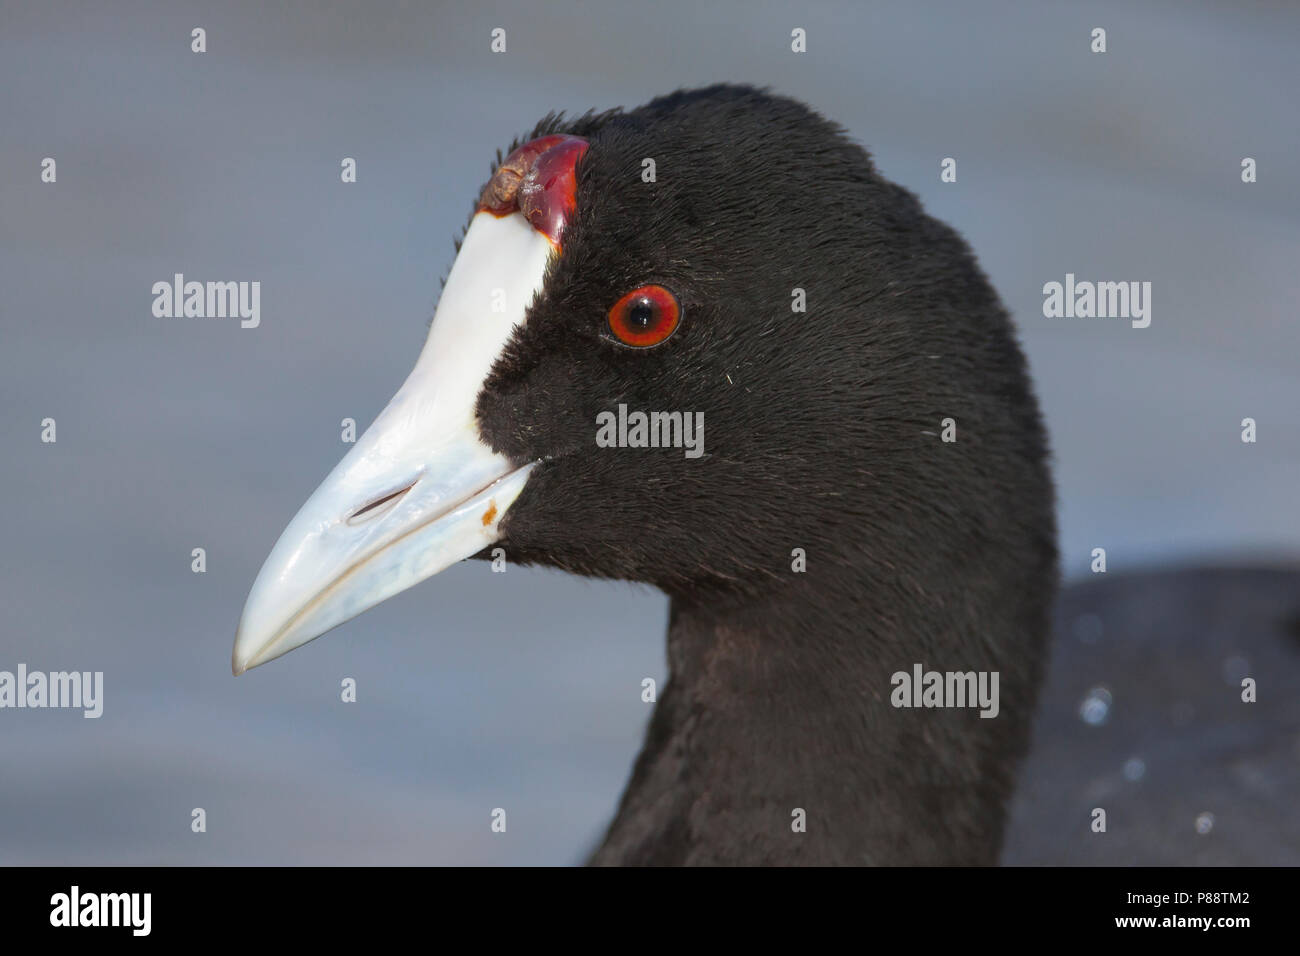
{"type": "Point", "coordinates": [641, 314]}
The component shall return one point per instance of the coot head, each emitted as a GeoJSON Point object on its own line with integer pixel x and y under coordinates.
{"type": "Point", "coordinates": [730, 254]}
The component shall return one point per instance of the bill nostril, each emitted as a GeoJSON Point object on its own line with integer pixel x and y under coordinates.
{"type": "Point", "coordinates": [379, 506]}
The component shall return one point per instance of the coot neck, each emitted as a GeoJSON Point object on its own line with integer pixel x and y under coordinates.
{"type": "Point", "coordinates": [775, 742]}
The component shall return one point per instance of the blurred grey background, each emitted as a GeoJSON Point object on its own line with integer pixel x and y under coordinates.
{"type": "Point", "coordinates": [522, 690]}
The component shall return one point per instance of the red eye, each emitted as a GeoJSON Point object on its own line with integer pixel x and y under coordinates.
{"type": "Point", "coordinates": [645, 316]}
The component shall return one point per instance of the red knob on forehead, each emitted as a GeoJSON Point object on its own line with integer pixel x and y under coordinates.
{"type": "Point", "coordinates": [539, 180]}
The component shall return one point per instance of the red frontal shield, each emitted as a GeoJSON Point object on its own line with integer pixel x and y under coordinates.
{"type": "Point", "coordinates": [539, 180]}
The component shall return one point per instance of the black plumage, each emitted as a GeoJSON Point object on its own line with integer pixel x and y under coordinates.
{"type": "Point", "coordinates": [1187, 771]}
{"type": "Point", "coordinates": [823, 433]}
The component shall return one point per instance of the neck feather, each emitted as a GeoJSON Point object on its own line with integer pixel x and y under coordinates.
{"type": "Point", "coordinates": [782, 703]}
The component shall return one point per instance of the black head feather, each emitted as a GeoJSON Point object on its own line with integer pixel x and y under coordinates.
{"type": "Point", "coordinates": [822, 433]}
